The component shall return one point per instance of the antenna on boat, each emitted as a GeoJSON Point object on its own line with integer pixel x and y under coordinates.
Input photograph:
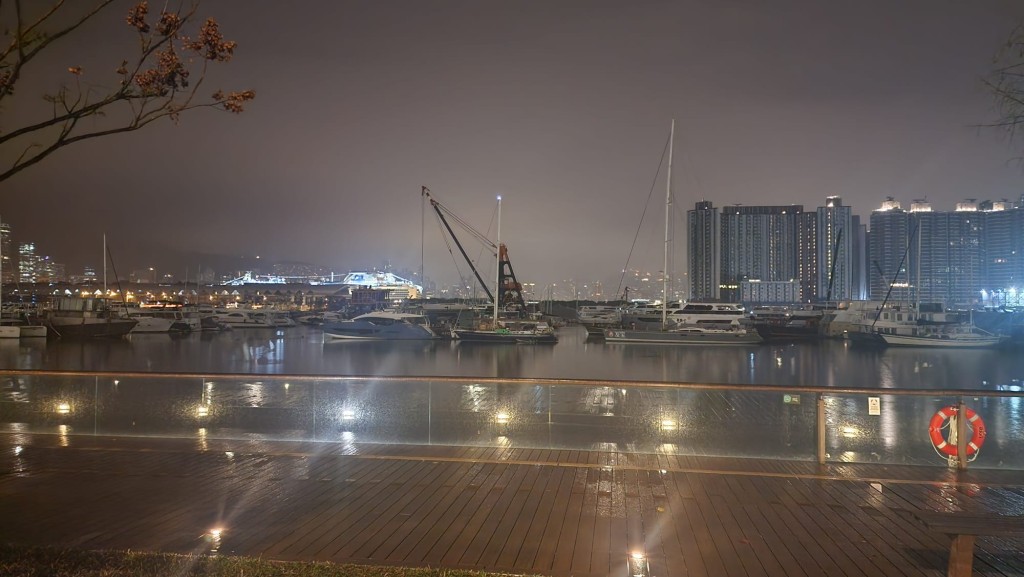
{"type": "Point", "coordinates": [497, 267]}
{"type": "Point", "coordinates": [895, 276]}
{"type": "Point", "coordinates": [424, 191]}
{"type": "Point", "coordinates": [668, 216]}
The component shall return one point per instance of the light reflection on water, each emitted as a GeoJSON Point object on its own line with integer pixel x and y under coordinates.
{"type": "Point", "coordinates": [301, 350]}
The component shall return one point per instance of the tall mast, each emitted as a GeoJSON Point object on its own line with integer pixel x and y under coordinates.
{"type": "Point", "coordinates": [104, 264]}
{"type": "Point", "coordinates": [497, 267]}
{"type": "Point", "coordinates": [668, 216]}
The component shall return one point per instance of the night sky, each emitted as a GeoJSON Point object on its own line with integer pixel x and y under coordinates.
{"type": "Point", "coordinates": [561, 107]}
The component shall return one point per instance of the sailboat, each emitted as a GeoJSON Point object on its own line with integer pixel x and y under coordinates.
{"type": "Point", "coordinates": [509, 322]}
{"type": "Point", "coordinates": [670, 333]}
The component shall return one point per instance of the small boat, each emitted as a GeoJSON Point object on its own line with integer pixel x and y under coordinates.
{"type": "Point", "coordinates": [20, 326]}
{"type": "Point", "coordinates": [380, 326]}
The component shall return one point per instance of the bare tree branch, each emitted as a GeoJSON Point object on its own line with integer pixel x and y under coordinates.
{"type": "Point", "coordinates": [161, 80]}
{"type": "Point", "coordinates": [1006, 83]}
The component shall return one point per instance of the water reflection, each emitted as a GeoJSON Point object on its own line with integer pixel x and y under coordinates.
{"type": "Point", "coordinates": [302, 350]}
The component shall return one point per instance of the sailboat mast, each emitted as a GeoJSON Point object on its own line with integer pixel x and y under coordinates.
{"type": "Point", "coordinates": [668, 216]}
{"type": "Point", "coordinates": [497, 267]}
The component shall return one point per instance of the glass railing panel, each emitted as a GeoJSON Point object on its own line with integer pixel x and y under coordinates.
{"type": "Point", "coordinates": [490, 414]}
{"type": "Point", "coordinates": [887, 427]}
{"type": "Point", "coordinates": [372, 411]}
{"type": "Point", "coordinates": [909, 429]}
{"type": "Point", "coordinates": [39, 403]}
{"type": "Point", "coordinates": [731, 423]}
{"type": "Point", "coordinates": [256, 407]}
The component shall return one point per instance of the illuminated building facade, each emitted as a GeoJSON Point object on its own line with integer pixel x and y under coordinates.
{"type": "Point", "coordinates": [759, 243]}
{"type": "Point", "coordinates": [890, 234]}
{"type": "Point", "coordinates": [837, 231]}
{"type": "Point", "coordinates": [7, 254]}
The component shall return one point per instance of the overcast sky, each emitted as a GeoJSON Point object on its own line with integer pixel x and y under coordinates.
{"type": "Point", "coordinates": [561, 107]}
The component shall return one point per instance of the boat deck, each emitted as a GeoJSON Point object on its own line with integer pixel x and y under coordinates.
{"type": "Point", "coordinates": [532, 511]}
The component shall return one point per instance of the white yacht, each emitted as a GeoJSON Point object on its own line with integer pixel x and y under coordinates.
{"type": "Point", "coordinates": [380, 326]}
{"type": "Point", "coordinates": [708, 314]}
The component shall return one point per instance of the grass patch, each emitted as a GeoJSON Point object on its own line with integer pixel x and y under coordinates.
{"type": "Point", "coordinates": [17, 561]}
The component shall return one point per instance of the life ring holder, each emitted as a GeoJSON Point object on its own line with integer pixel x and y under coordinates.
{"type": "Point", "coordinates": [942, 420]}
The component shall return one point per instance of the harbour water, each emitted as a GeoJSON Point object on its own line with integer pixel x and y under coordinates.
{"type": "Point", "coordinates": [302, 350]}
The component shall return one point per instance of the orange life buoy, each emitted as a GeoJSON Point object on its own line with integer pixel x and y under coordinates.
{"type": "Point", "coordinates": [938, 422]}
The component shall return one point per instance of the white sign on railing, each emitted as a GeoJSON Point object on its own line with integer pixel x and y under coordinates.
{"type": "Point", "coordinates": [874, 405]}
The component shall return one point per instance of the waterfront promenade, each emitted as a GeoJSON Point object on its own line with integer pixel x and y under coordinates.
{"type": "Point", "coordinates": [524, 511]}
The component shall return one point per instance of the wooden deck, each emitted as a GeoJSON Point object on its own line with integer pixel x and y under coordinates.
{"type": "Point", "coordinates": [526, 511]}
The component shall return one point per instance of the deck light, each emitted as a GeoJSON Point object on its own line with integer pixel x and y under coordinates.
{"type": "Point", "coordinates": [638, 566]}
{"type": "Point", "coordinates": [63, 408]}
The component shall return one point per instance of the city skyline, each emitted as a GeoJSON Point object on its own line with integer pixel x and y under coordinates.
{"type": "Point", "coordinates": [751, 254]}
{"type": "Point", "coordinates": [563, 109]}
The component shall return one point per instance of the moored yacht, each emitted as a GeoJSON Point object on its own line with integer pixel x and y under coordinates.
{"type": "Point", "coordinates": [380, 326]}
{"type": "Point", "coordinates": [80, 317]}
{"type": "Point", "coordinates": [685, 335]}
{"type": "Point", "coordinates": [519, 331]}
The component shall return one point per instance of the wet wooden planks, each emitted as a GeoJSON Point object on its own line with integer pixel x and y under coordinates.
{"type": "Point", "coordinates": [519, 510]}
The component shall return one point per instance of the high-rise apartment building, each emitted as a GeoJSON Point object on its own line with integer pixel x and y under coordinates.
{"type": "Point", "coordinates": [888, 245]}
{"type": "Point", "coordinates": [966, 226]}
{"type": "Point", "coordinates": [807, 255]}
{"type": "Point", "coordinates": [836, 233]}
{"type": "Point", "coordinates": [1004, 251]}
{"type": "Point", "coordinates": [703, 261]}
{"type": "Point", "coordinates": [758, 243]}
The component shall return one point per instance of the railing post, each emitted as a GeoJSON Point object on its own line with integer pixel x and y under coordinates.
{"type": "Point", "coordinates": [820, 426]}
{"type": "Point", "coordinates": [961, 435]}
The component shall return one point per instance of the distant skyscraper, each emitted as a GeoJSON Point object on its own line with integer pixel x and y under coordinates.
{"type": "Point", "coordinates": [7, 252]}
{"type": "Point", "coordinates": [704, 252]}
{"type": "Point", "coordinates": [836, 236]}
{"type": "Point", "coordinates": [28, 263]}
